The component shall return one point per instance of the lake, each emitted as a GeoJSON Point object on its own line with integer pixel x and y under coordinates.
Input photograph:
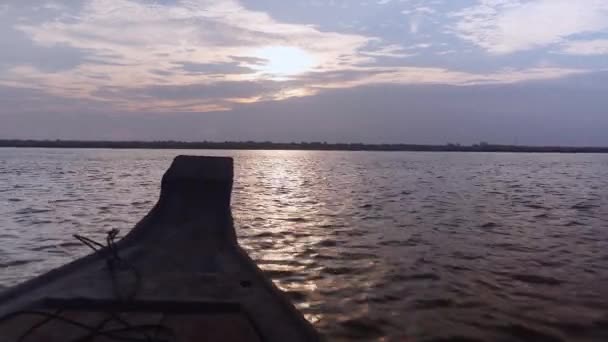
{"type": "Point", "coordinates": [368, 245]}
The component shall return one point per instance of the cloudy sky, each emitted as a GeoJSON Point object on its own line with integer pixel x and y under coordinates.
{"type": "Point", "coordinates": [412, 71]}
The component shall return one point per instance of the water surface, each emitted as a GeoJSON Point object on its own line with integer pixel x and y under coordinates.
{"type": "Point", "coordinates": [369, 245]}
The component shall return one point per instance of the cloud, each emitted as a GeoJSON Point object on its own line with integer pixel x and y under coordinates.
{"type": "Point", "coordinates": [376, 114]}
{"type": "Point", "coordinates": [425, 10]}
{"type": "Point", "coordinates": [507, 26]}
{"type": "Point", "coordinates": [417, 15]}
{"type": "Point", "coordinates": [134, 43]}
{"type": "Point", "coordinates": [414, 25]}
{"type": "Point", "coordinates": [215, 68]}
{"type": "Point", "coordinates": [209, 55]}
{"type": "Point", "coordinates": [20, 100]}
{"type": "Point", "coordinates": [249, 60]}
{"type": "Point", "coordinates": [17, 49]}
{"type": "Point", "coordinates": [392, 50]}
{"type": "Point", "coordinates": [420, 10]}
{"type": "Point", "coordinates": [416, 75]}
{"type": "Point", "coordinates": [216, 90]}
{"type": "Point", "coordinates": [446, 52]}
{"type": "Point", "coordinates": [202, 31]}
{"type": "Point", "coordinates": [55, 58]}
{"type": "Point", "coordinates": [587, 48]}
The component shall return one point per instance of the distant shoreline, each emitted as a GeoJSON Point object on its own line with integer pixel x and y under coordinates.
{"type": "Point", "coordinates": [306, 146]}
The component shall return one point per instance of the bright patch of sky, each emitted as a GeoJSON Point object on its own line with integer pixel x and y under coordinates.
{"type": "Point", "coordinates": [466, 34]}
{"type": "Point", "coordinates": [214, 55]}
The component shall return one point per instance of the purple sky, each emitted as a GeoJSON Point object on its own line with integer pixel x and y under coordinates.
{"type": "Point", "coordinates": [395, 71]}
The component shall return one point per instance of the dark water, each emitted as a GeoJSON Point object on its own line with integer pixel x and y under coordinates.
{"type": "Point", "coordinates": [369, 245]}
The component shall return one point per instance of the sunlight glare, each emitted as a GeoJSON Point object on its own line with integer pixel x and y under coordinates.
{"type": "Point", "coordinates": [285, 60]}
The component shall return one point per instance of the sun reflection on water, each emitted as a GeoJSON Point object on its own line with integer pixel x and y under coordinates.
{"type": "Point", "coordinates": [367, 245]}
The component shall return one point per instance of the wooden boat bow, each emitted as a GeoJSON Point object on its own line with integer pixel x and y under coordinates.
{"type": "Point", "coordinates": [180, 265]}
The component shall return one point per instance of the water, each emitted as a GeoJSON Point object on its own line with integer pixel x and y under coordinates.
{"type": "Point", "coordinates": [369, 245]}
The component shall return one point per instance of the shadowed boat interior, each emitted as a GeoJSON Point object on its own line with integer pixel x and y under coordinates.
{"type": "Point", "coordinates": [179, 275]}
{"type": "Point", "coordinates": [86, 320]}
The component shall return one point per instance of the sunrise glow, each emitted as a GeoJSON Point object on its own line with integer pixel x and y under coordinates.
{"type": "Point", "coordinates": [285, 60]}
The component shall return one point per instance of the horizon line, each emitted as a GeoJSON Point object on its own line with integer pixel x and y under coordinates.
{"type": "Point", "coordinates": [313, 145]}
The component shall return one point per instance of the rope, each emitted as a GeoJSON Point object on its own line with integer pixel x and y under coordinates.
{"type": "Point", "coordinates": [108, 333]}
{"type": "Point", "coordinates": [114, 263]}
{"type": "Point", "coordinates": [35, 327]}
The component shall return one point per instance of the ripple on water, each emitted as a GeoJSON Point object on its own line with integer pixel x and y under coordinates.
{"type": "Point", "coordinates": [295, 219]}
{"type": "Point", "coordinates": [429, 304]}
{"type": "Point", "coordinates": [297, 296]}
{"type": "Point", "coordinates": [279, 274]}
{"type": "Point", "coordinates": [584, 206]}
{"type": "Point", "coordinates": [399, 277]}
{"type": "Point", "coordinates": [536, 279]}
{"type": "Point", "coordinates": [525, 333]}
{"type": "Point", "coordinates": [378, 245]}
{"type": "Point", "coordinates": [511, 247]}
{"type": "Point", "coordinates": [362, 327]}
{"type": "Point", "coordinates": [30, 211]}
{"type": "Point", "coordinates": [69, 244]}
{"type": "Point", "coordinates": [327, 243]}
{"type": "Point", "coordinates": [535, 206]}
{"type": "Point", "coordinates": [15, 263]}
{"type": "Point", "coordinates": [335, 270]}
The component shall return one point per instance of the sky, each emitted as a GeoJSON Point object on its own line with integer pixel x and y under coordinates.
{"type": "Point", "coordinates": [379, 71]}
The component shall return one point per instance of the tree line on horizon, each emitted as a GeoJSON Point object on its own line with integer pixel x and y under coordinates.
{"type": "Point", "coordinates": [322, 146]}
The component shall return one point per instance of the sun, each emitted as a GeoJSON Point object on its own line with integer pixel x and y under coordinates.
{"type": "Point", "coordinates": [285, 60]}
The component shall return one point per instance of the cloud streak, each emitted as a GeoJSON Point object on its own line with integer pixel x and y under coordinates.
{"type": "Point", "coordinates": [586, 48]}
{"type": "Point", "coordinates": [507, 26]}
{"type": "Point", "coordinates": [208, 55]}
